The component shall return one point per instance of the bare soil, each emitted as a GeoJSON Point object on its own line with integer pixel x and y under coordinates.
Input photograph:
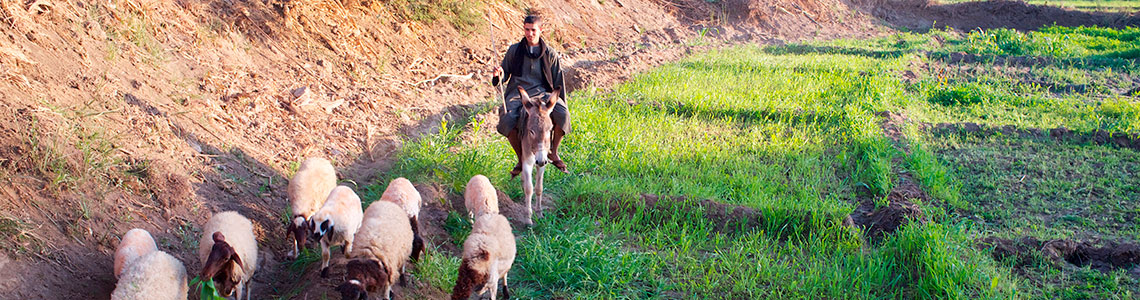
{"type": "Point", "coordinates": [969, 15]}
{"type": "Point", "coordinates": [899, 211]}
{"type": "Point", "coordinates": [1100, 255]}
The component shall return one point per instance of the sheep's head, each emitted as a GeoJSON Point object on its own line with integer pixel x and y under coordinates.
{"type": "Point", "coordinates": [223, 266]}
{"type": "Point", "coordinates": [470, 279]}
{"type": "Point", "coordinates": [300, 228]}
{"type": "Point", "coordinates": [322, 225]}
{"type": "Point", "coordinates": [536, 135]}
{"type": "Point", "coordinates": [363, 276]}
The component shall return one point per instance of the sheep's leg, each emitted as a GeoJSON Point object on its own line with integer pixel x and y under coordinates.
{"type": "Point", "coordinates": [506, 291]}
{"type": "Point", "coordinates": [325, 255]}
{"type": "Point", "coordinates": [493, 281]}
{"type": "Point", "coordinates": [528, 188]}
{"type": "Point", "coordinates": [348, 244]}
{"type": "Point", "coordinates": [296, 250]}
{"type": "Point", "coordinates": [248, 289]}
{"type": "Point", "coordinates": [538, 189]}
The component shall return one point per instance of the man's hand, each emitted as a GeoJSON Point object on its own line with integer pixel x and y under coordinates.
{"type": "Point", "coordinates": [496, 72]}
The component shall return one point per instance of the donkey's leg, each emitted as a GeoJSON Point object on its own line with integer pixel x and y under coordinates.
{"type": "Point", "coordinates": [528, 189]}
{"type": "Point", "coordinates": [538, 188]}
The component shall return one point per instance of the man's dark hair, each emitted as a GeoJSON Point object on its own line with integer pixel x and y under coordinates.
{"type": "Point", "coordinates": [532, 19]}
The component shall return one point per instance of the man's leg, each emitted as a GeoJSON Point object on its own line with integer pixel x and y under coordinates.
{"type": "Point", "coordinates": [516, 144]}
{"type": "Point", "coordinates": [508, 127]}
{"type": "Point", "coordinates": [561, 119]}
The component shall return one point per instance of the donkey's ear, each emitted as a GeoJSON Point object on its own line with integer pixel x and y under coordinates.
{"type": "Point", "coordinates": [524, 95]}
{"type": "Point", "coordinates": [550, 102]}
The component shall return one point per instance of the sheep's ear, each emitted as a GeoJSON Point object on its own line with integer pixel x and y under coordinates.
{"type": "Point", "coordinates": [483, 254]}
{"type": "Point", "coordinates": [219, 237]}
{"type": "Point", "coordinates": [237, 260]}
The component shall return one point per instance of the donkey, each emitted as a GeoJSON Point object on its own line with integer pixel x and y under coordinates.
{"type": "Point", "coordinates": [535, 134]}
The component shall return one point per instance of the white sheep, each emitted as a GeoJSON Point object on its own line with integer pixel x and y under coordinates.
{"type": "Point", "coordinates": [154, 276]}
{"type": "Point", "coordinates": [336, 223]}
{"type": "Point", "coordinates": [228, 252]}
{"type": "Point", "coordinates": [383, 247]}
{"type": "Point", "coordinates": [308, 190]}
{"type": "Point", "coordinates": [402, 193]}
{"type": "Point", "coordinates": [487, 256]}
{"type": "Point", "coordinates": [480, 197]}
{"type": "Point", "coordinates": [136, 243]}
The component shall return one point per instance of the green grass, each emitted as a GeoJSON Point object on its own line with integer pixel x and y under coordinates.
{"type": "Point", "coordinates": [792, 132]}
{"type": "Point", "coordinates": [1043, 188]}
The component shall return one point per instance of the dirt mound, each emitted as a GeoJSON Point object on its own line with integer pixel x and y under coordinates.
{"type": "Point", "coordinates": [1102, 255]}
{"type": "Point", "coordinates": [899, 211]}
{"type": "Point", "coordinates": [892, 124]}
{"type": "Point", "coordinates": [969, 15]}
{"type": "Point", "coordinates": [1061, 134]}
{"type": "Point", "coordinates": [725, 218]}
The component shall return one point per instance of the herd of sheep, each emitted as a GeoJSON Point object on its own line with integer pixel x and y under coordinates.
{"type": "Point", "coordinates": [379, 241]}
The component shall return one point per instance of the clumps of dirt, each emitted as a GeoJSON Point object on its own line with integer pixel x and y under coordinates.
{"type": "Point", "coordinates": [1100, 255]}
{"type": "Point", "coordinates": [171, 188]}
{"type": "Point", "coordinates": [516, 211]}
{"type": "Point", "coordinates": [899, 211]}
{"type": "Point", "coordinates": [433, 214]}
{"type": "Point", "coordinates": [1063, 134]}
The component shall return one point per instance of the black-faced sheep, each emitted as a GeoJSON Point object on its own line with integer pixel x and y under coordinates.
{"type": "Point", "coordinates": [480, 198]}
{"type": "Point", "coordinates": [154, 276]}
{"type": "Point", "coordinates": [336, 223]}
{"type": "Point", "coordinates": [383, 247]}
{"type": "Point", "coordinates": [308, 190]}
{"type": "Point", "coordinates": [228, 251]}
{"type": "Point", "coordinates": [402, 193]}
{"type": "Point", "coordinates": [487, 256]}
{"type": "Point", "coordinates": [136, 243]}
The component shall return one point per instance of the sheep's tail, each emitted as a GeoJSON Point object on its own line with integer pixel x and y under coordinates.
{"type": "Point", "coordinates": [417, 240]}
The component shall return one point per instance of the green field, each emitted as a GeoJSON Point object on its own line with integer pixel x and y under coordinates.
{"type": "Point", "coordinates": [794, 132]}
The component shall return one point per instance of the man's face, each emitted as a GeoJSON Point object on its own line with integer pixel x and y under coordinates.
{"type": "Point", "coordinates": [532, 31]}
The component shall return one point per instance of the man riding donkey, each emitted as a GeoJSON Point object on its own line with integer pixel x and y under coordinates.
{"type": "Point", "coordinates": [532, 68]}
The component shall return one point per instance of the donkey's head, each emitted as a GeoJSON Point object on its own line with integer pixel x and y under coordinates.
{"type": "Point", "coordinates": [536, 134]}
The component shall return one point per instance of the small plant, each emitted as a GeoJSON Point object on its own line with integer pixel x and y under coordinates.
{"type": "Point", "coordinates": [206, 289]}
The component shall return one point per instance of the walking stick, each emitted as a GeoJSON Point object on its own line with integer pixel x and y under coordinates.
{"type": "Point", "coordinates": [495, 80]}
